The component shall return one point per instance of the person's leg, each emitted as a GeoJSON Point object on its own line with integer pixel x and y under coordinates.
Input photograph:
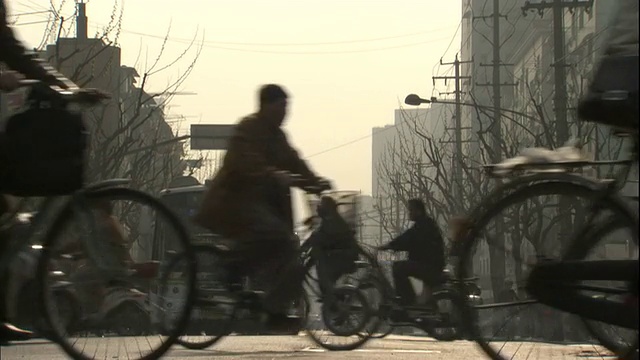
{"type": "Point", "coordinates": [287, 276]}
{"type": "Point", "coordinates": [323, 272]}
{"type": "Point", "coordinates": [8, 332]}
{"type": "Point", "coordinates": [401, 272]}
{"type": "Point", "coordinates": [431, 278]}
{"type": "Point", "coordinates": [275, 262]}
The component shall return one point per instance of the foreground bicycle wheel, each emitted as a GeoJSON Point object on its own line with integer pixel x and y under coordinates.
{"type": "Point", "coordinates": [523, 223]}
{"type": "Point", "coordinates": [116, 306]}
{"type": "Point", "coordinates": [623, 342]}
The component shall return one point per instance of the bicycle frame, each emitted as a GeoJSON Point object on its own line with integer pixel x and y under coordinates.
{"type": "Point", "coordinates": [234, 284]}
{"type": "Point", "coordinates": [447, 284]}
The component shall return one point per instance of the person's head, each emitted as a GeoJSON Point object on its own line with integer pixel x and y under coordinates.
{"type": "Point", "coordinates": [273, 103]}
{"type": "Point", "coordinates": [327, 206]}
{"type": "Point", "coordinates": [459, 227]}
{"type": "Point", "coordinates": [416, 209]}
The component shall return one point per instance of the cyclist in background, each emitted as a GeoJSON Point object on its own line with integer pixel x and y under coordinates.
{"type": "Point", "coordinates": [335, 249]}
{"type": "Point", "coordinates": [424, 243]}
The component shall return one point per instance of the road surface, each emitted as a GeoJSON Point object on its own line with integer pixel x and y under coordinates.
{"type": "Point", "coordinates": [299, 347]}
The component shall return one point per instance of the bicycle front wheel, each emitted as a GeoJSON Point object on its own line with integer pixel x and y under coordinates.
{"type": "Point", "coordinates": [103, 261]}
{"type": "Point", "coordinates": [343, 332]}
{"type": "Point", "coordinates": [530, 220]}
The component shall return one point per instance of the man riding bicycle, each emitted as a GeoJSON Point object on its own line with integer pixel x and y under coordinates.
{"type": "Point", "coordinates": [424, 243]}
{"type": "Point", "coordinates": [244, 201]}
{"type": "Point", "coordinates": [14, 54]}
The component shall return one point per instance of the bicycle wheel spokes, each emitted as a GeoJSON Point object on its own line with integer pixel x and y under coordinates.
{"type": "Point", "coordinates": [106, 296]}
{"type": "Point", "coordinates": [338, 326]}
{"type": "Point", "coordinates": [214, 308]}
{"type": "Point", "coordinates": [618, 240]}
{"type": "Point", "coordinates": [530, 225]}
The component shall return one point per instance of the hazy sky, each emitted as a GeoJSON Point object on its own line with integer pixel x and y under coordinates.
{"type": "Point", "coordinates": [346, 63]}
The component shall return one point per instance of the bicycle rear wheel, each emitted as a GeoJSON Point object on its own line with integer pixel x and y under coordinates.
{"type": "Point", "coordinates": [623, 342]}
{"type": "Point", "coordinates": [86, 257]}
{"type": "Point", "coordinates": [521, 215]}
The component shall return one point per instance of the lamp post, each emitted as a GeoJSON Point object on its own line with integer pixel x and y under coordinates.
{"type": "Point", "coordinates": [414, 99]}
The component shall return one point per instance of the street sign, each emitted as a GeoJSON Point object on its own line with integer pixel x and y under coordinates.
{"type": "Point", "coordinates": [211, 136]}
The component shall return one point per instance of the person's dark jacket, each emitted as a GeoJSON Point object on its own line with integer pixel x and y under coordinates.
{"type": "Point", "coordinates": [423, 241]}
{"type": "Point", "coordinates": [15, 56]}
{"type": "Point", "coordinates": [255, 151]}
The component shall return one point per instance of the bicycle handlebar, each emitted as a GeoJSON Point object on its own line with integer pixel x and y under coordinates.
{"type": "Point", "coordinates": [297, 180]}
{"type": "Point", "coordinates": [73, 94]}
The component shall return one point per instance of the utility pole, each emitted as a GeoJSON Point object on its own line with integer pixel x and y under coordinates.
{"type": "Point", "coordinates": [559, 67]}
{"type": "Point", "coordinates": [496, 128]}
{"type": "Point", "coordinates": [498, 269]}
{"type": "Point", "coordinates": [560, 97]}
{"type": "Point", "coordinates": [458, 122]}
{"type": "Point", "coordinates": [397, 201]}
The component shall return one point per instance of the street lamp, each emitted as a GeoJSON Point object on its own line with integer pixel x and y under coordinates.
{"type": "Point", "coordinates": [415, 100]}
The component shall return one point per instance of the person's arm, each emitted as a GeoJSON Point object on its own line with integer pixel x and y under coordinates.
{"type": "Point", "coordinates": [14, 55]}
{"type": "Point", "coordinates": [295, 164]}
{"type": "Point", "coordinates": [401, 242]}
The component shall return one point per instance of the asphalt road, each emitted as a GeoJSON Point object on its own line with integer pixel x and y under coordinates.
{"type": "Point", "coordinates": [300, 347]}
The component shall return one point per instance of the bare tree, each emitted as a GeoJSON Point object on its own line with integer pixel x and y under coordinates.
{"type": "Point", "coordinates": [129, 134]}
{"type": "Point", "coordinates": [419, 163]}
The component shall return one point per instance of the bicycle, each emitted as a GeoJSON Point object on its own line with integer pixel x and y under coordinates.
{"type": "Point", "coordinates": [83, 245]}
{"type": "Point", "coordinates": [229, 299]}
{"type": "Point", "coordinates": [439, 318]}
{"type": "Point", "coordinates": [559, 283]}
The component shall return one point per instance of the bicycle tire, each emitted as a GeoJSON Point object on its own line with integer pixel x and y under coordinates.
{"type": "Point", "coordinates": [580, 250]}
{"type": "Point", "coordinates": [386, 332]}
{"type": "Point", "coordinates": [361, 340]}
{"type": "Point", "coordinates": [79, 201]}
{"type": "Point", "coordinates": [362, 337]}
{"type": "Point", "coordinates": [381, 285]}
{"type": "Point", "coordinates": [227, 324]}
{"type": "Point", "coordinates": [515, 192]}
